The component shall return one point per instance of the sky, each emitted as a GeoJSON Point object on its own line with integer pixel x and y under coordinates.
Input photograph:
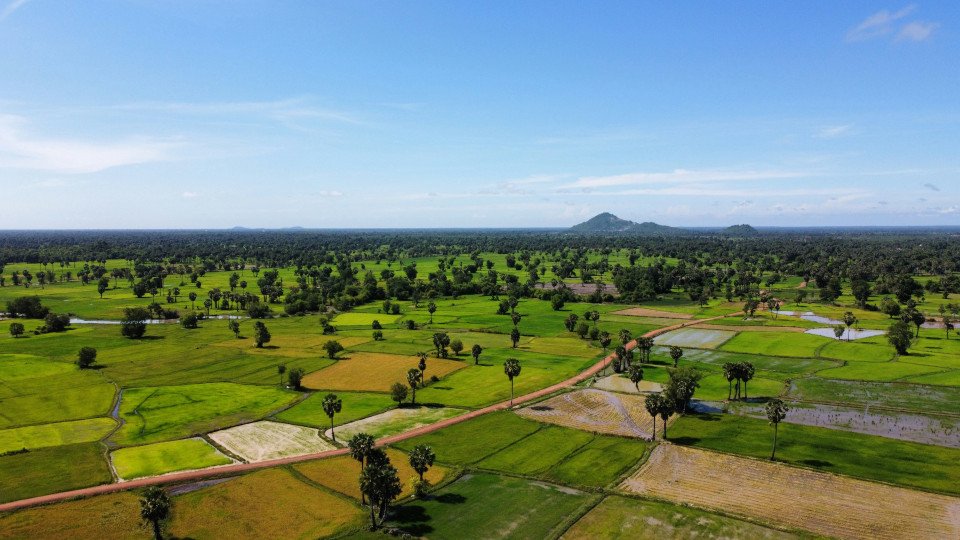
{"type": "Point", "coordinates": [215, 114]}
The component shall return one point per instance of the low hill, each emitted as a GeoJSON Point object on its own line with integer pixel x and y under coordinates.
{"type": "Point", "coordinates": [607, 223]}
{"type": "Point", "coordinates": [740, 230]}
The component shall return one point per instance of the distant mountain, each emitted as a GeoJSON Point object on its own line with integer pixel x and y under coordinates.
{"type": "Point", "coordinates": [607, 223]}
{"type": "Point", "coordinates": [740, 230]}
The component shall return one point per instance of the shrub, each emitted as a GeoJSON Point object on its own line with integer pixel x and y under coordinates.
{"type": "Point", "coordinates": [295, 376]}
{"type": "Point", "coordinates": [16, 329]}
{"type": "Point", "coordinates": [27, 307]}
{"type": "Point", "coordinates": [86, 357]}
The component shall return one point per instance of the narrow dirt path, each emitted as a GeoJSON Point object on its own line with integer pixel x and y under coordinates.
{"type": "Point", "coordinates": [203, 474]}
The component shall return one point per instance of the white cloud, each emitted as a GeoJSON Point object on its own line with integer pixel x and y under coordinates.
{"type": "Point", "coordinates": [917, 31]}
{"type": "Point", "coordinates": [190, 195]}
{"type": "Point", "coordinates": [11, 7]}
{"type": "Point", "coordinates": [20, 151]}
{"type": "Point", "coordinates": [680, 176]}
{"type": "Point", "coordinates": [832, 132]}
{"type": "Point", "coordinates": [879, 24]}
{"type": "Point", "coordinates": [283, 110]}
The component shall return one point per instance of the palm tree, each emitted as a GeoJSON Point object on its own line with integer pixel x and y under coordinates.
{"type": "Point", "coordinates": [421, 459]}
{"type": "Point", "coordinates": [512, 369]}
{"type": "Point", "coordinates": [665, 408]}
{"type": "Point", "coordinates": [281, 369]}
{"type": "Point", "coordinates": [422, 364]}
{"type": "Point", "coordinates": [636, 375]}
{"type": "Point", "coordinates": [155, 508]}
{"type": "Point", "coordinates": [413, 377]}
{"type": "Point", "coordinates": [624, 336]}
{"type": "Point", "coordinates": [331, 406]}
{"type": "Point", "coordinates": [380, 484]}
{"type": "Point", "coordinates": [729, 373]}
{"type": "Point", "coordinates": [475, 351]}
{"type": "Point", "coordinates": [652, 404]}
{"type": "Point", "coordinates": [746, 373]}
{"type": "Point", "coordinates": [676, 353]}
{"type": "Point", "coordinates": [431, 308]}
{"type": "Point", "coordinates": [776, 411]}
{"type": "Point", "coordinates": [360, 446]}
{"type": "Point", "coordinates": [849, 319]}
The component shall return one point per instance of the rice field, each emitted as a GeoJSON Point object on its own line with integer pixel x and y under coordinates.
{"type": "Point", "coordinates": [818, 502]}
{"type": "Point", "coordinates": [594, 411]}
{"type": "Point", "coordinates": [374, 372]}
{"type": "Point", "coordinates": [394, 421]}
{"type": "Point", "coordinates": [166, 457]}
{"type": "Point", "coordinates": [265, 440]}
{"type": "Point", "coordinates": [340, 473]}
{"type": "Point", "coordinates": [694, 337]}
{"type": "Point", "coordinates": [57, 434]}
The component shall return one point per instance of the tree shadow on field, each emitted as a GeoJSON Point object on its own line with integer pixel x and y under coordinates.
{"type": "Point", "coordinates": [819, 463]}
{"type": "Point", "coordinates": [450, 498]}
{"type": "Point", "coordinates": [150, 338]}
{"type": "Point", "coordinates": [412, 519]}
{"type": "Point", "coordinates": [684, 441]}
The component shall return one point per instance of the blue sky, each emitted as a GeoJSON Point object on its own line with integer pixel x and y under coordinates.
{"type": "Point", "coordinates": [183, 114]}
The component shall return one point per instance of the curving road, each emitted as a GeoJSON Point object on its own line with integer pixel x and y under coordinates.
{"type": "Point", "coordinates": [202, 474]}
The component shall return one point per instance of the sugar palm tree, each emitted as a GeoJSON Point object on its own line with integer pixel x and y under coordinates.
{"type": "Point", "coordinates": [512, 369]}
{"type": "Point", "coordinates": [155, 508]}
{"type": "Point", "coordinates": [776, 411]}
{"type": "Point", "coordinates": [652, 404]}
{"type": "Point", "coordinates": [331, 406]}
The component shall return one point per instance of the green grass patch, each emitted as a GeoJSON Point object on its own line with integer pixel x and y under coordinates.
{"type": "Point", "coordinates": [471, 441]}
{"type": "Point", "coordinates": [853, 454]}
{"type": "Point", "coordinates": [491, 506]}
{"type": "Point", "coordinates": [878, 371]}
{"type": "Point", "coordinates": [52, 470]}
{"type": "Point", "coordinates": [60, 433]}
{"type": "Point", "coordinates": [775, 344]}
{"type": "Point", "coordinates": [171, 412]}
{"type": "Point", "coordinates": [356, 405]}
{"type": "Point", "coordinates": [166, 457]}
{"type": "Point", "coordinates": [599, 462]}
{"type": "Point", "coordinates": [537, 453]}
{"type": "Point", "coordinates": [354, 318]}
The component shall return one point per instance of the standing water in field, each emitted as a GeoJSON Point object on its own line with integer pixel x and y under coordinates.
{"type": "Point", "coordinates": [850, 333]}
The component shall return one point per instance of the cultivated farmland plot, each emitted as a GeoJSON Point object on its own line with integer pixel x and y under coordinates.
{"type": "Point", "coordinates": [818, 502]}
{"type": "Point", "coordinates": [374, 372]}
{"type": "Point", "coordinates": [695, 337]}
{"type": "Point", "coordinates": [265, 440]}
{"type": "Point", "coordinates": [395, 421]}
{"type": "Point", "coordinates": [656, 313]}
{"type": "Point", "coordinates": [595, 411]}
{"type": "Point", "coordinates": [619, 383]}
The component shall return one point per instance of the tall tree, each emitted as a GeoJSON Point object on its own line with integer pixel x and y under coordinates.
{"type": "Point", "coordinates": [421, 459]}
{"type": "Point", "coordinates": [476, 350]}
{"type": "Point", "coordinates": [413, 378]}
{"type": "Point", "coordinates": [360, 446]}
{"type": "Point", "coordinates": [260, 334]}
{"type": "Point", "coordinates": [652, 404]}
{"type": "Point", "coordinates": [380, 484]}
{"type": "Point", "coordinates": [154, 509]}
{"type": "Point", "coordinates": [676, 353]}
{"type": "Point", "coordinates": [515, 336]}
{"type": "Point", "coordinates": [234, 326]}
{"type": "Point", "coordinates": [665, 408]}
{"type": "Point", "coordinates": [422, 365]}
{"type": "Point", "coordinates": [849, 319]}
{"type": "Point", "coordinates": [431, 309]}
{"type": "Point", "coordinates": [331, 406]}
{"type": "Point", "coordinates": [776, 411]}
{"type": "Point", "coordinates": [636, 375]}
{"type": "Point", "coordinates": [512, 369]}
{"type": "Point", "coordinates": [281, 369]}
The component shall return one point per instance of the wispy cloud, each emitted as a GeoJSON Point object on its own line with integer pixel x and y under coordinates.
{"type": "Point", "coordinates": [879, 24]}
{"type": "Point", "coordinates": [11, 7]}
{"type": "Point", "coordinates": [22, 151]}
{"type": "Point", "coordinates": [284, 110]}
{"type": "Point", "coordinates": [931, 187]}
{"type": "Point", "coordinates": [681, 176]}
{"type": "Point", "coordinates": [917, 31]}
{"type": "Point", "coordinates": [885, 23]}
{"type": "Point", "coordinates": [190, 195]}
{"type": "Point", "coordinates": [832, 132]}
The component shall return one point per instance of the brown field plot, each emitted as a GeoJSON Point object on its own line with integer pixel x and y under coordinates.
{"type": "Point", "coordinates": [821, 503]}
{"type": "Point", "coordinates": [595, 411]}
{"type": "Point", "coordinates": [647, 312]}
{"type": "Point", "coordinates": [619, 383]}
{"type": "Point", "coordinates": [342, 473]}
{"type": "Point", "coordinates": [260, 441]}
{"type": "Point", "coordinates": [374, 372]}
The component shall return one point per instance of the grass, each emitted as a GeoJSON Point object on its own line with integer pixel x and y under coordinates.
{"type": "Point", "coordinates": [854, 454]}
{"type": "Point", "coordinates": [44, 435]}
{"type": "Point", "coordinates": [599, 462]}
{"type": "Point", "coordinates": [166, 457]}
{"type": "Point", "coordinates": [537, 453]}
{"type": "Point", "coordinates": [51, 470]}
{"type": "Point", "coordinates": [363, 319]}
{"type": "Point", "coordinates": [775, 344]}
{"type": "Point", "coordinates": [342, 473]}
{"type": "Point", "coordinates": [356, 405]}
{"type": "Point", "coordinates": [172, 412]}
{"type": "Point", "coordinates": [471, 441]}
{"type": "Point", "coordinates": [59, 402]}
{"type": "Point", "coordinates": [373, 372]}
{"type": "Point", "coordinates": [396, 420]}
{"type": "Point", "coordinates": [622, 517]}
{"type": "Point", "coordinates": [272, 503]}
{"type": "Point", "coordinates": [490, 506]}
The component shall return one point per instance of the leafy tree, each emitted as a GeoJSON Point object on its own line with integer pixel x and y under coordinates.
{"type": "Point", "coordinates": [776, 411]}
{"type": "Point", "coordinates": [281, 369]}
{"type": "Point", "coordinates": [295, 377]}
{"type": "Point", "coordinates": [189, 321]}
{"type": "Point", "coordinates": [16, 329]}
{"type": "Point", "coordinates": [86, 357]}
{"type": "Point", "coordinates": [838, 330]}
{"type": "Point", "coordinates": [582, 329]}
{"type": "Point", "coordinates": [376, 325]}
{"type": "Point", "coordinates": [431, 309]}
{"type": "Point", "coordinates": [456, 346]}
{"type": "Point", "coordinates": [234, 326]}
{"type": "Point", "coordinates": [861, 291]}
{"type": "Point", "coordinates": [377, 335]}
{"type": "Point", "coordinates": [103, 285]}
{"type": "Point", "coordinates": [635, 371]}
{"type": "Point", "coordinates": [440, 342]}
{"type": "Point", "coordinates": [889, 307]}
{"type": "Point", "coordinates": [332, 405]}
{"type": "Point", "coordinates": [681, 386]}
{"type": "Point", "coordinates": [515, 317]}
{"type": "Point", "coordinates": [332, 347]}
{"type": "Point", "coordinates": [27, 307]}
{"type": "Point", "coordinates": [515, 336]}
{"type": "Point", "coordinates": [361, 444]}
{"type": "Point", "coordinates": [260, 334]}
{"type": "Point", "coordinates": [398, 393]}
{"type": "Point", "coordinates": [652, 404]}
{"type": "Point", "coordinates": [380, 484]}
{"type": "Point", "coordinates": [422, 365]}
{"type": "Point", "coordinates": [676, 353]}
{"type": "Point", "coordinates": [512, 369]}
{"type": "Point", "coordinates": [557, 302]}
{"type": "Point", "coordinates": [421, 459]}
{"type": "Point", "coordinates": [900, 336]}
{"type": "Point", "coordinates": [849, 319]}
{"type": "Point", "coordinates": [624, 336]}
{"type": "Point", "coordinates": [413, 378]}
{"type": "Point", "coordinates": [155, 509]}
{"type": "Point", "coordinates": [475, 351]}
{"type": "Point", "coordinates": [666, 406]}
{"type": "Point", "coordinates": [134, 322]}
{"type": "Point", "coordinates": [193, 298]}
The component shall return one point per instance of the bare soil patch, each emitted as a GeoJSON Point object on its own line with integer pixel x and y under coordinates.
{"type": "Point", "coordinates": [265, 440]}
{"type": "Point", "coordinates": [647, 312]}
{"type": "Point", "coordinates": [595, 411]}
{"type": "Point", "coordinates": [618, 383]}
{"type": "Point", "coordinates": [821, 503]}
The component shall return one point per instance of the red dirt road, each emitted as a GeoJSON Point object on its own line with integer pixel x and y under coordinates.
{"type": "Point", "coordinates": [229, 470]}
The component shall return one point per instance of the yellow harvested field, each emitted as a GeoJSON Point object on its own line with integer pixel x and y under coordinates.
{"type": "Point", "coordinates": [737, 328]}
{"type": "Point", "coordinates": [341, 473]}
{"type": "Point", "coordinates": [107, 517]}
{"type": "Point", "coordinates": [595, 411]}
{"type": "Point", "coordinates": [350, 341]}
{"type": "Point", "coordinates": [289, 345]}
{"type": "Point", "coordinates": [373, 372]}
{"type": "Point", "coordinates": [647, 312]}
{"type": "Point", "coordinates": [264, 440]}
{"type": "Point", "coordinates": [267, 504]}
{"type": "Point", "coordinates": [821, 503]}
{"type": "Point", "coordinates": [619, 383]}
